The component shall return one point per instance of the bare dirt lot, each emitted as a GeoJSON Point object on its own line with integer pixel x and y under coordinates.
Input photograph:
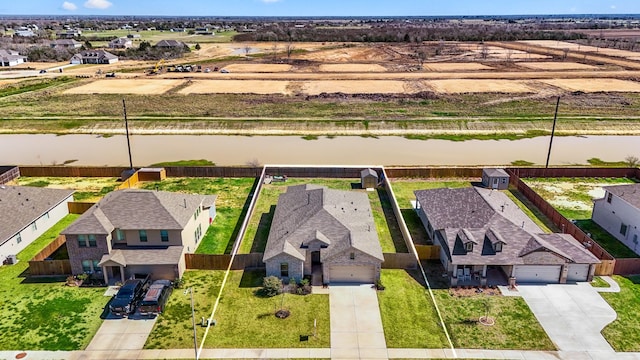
{"type": "Point", "coordinates": [356, 87]}
{"type": "Point", "coordinates": [258, 68]}
{"type": "Point", "coordinates": [352, 68]}
{"type": "Point", "coordinates": [549, 65]}
{"type": "Point", "coordinates": [237, 87]}
{"type": "Point", "coordinates": [126, 86]}
{"type": "Point", "coordinates": [455, 67]}
{"type": "Point", "coordinates": [595, 85]}
{"type": "Point", "coordinates": [471, 86]}
{"type": "Point", "coordinates": [583, 48]}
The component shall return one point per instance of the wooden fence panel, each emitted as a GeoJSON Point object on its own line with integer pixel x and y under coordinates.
{"type": "Point", "coordinates": [71, 171]}
{"type": "Point", "coordinates": [221, 261]}
{"type": "Point", "coordinates": [428, 252]}
{"type": "Point", "coordinates": [417, 172]}
{"type": "Point", "coordinates": [50, 249]}
{"type": "Point", "coordinates": [49, 267]}
{"type": "Point", "coordinates": [130, 182]}
{"type": "Point", "coordinates": [79, 207]}
{"type": "Point", "coordinates": [575, 172]}
{"type": "Point", "coordinates": [212, 171]}
{"type": "Point", "coordinates": [627, 266]}
{"type": "Point", "coordinates": [399, 261]}
{"type": "Point", "coordinates": [605, 268]}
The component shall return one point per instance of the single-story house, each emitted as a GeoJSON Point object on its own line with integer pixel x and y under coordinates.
{"type": "Point", "coordinates": [121, 43]}
{"type": "Point", "coordinates": [94, 57]}
{"type": "Point", "coordinates": [485, 238]}
{"type": "Point", "coordinates": [138, 231]}
{"type": "Point", "coordinates": [618, 212]}
{"type": "Point", "coordinates": [66, 44]}
{"type": "Point", "coordinates": [170, 44]}
{"type": "Point", "coordinates": [11, 58]}
{"type": "Point", "coordinates": [329, 234]}
{"type": "Point", "coordinates": [27, 213]}
{"type": "Point", "coordinates": [68, 33]}
{"type": "Point", "coordinates": [495, 179]}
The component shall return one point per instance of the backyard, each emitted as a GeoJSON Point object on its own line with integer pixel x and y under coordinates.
{"type": "Point", "coordinates": [43, 313]}
{"type": "Point", "coordinates": [255, 239]}
{"type": "Point", "coordinates": [573, 198]}
{"type": "Point", "coordinates": [88, 189]}
{"type": "Point", "coordinates": [244, 319]}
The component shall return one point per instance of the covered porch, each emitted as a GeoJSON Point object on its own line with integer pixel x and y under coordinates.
{"type": "Point", "coordinates": [480, 275]}
{"type": "Point", "coordinates": [161, 263]}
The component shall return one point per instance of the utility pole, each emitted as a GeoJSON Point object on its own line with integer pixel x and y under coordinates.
{"type": "Point", "coordinates": [126, 127]}
{"type": "Point", "coordinates": [553, 131]}
{"type": "Point", "coordinates": [193, 320]}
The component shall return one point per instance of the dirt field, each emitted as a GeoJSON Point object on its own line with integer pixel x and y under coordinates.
{"type": "Point", "coordinates": [444, 67]}
{"type": "Point", "coordinates": [595, 85]}
{"type": "Point", "coordinates": [126, 86]}
{"type": "Point", "coordinates": [237, 87]}
{"type": "Point", "coordinates": [584, 48]}
{"type": "Point", "coordinates": [352, 68]}
{"type": "Point", "coordinates": [479, 86]}
{"type": "Point", "coordinates": [359, 53]}
{"type": "Point", "coordinates": [356, 87]}
{"type": "Point", "coordinates": [548, 65]}
{"type": "Point", "coordinates": [258, 68]}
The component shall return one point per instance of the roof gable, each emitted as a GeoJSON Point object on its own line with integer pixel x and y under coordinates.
{"type": "Point", "coordinates": [629, 193]}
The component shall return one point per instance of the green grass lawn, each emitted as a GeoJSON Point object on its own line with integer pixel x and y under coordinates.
{"type": "Point", "coordinates": [624, 333]}
{"type": "Point", "coordinates": [231, 207]}
{"type": "Point", "coordinates": [87, 189]}
{"type": "Point", "coordinates": [599, 283]}
{"type": "Point", "coordinates": [244, 320]}
{"type": "Point", "coordinates": [46, 315]}
{"type": "Point", "coordinates": [255, 239]}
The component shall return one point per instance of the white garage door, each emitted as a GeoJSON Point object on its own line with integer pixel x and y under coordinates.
{"type": "Point", "coordinates": [537, 273]}
{"type": "Point", "coordinates": [351, 274]}
{"type": "Point", "coordinates": [578, 272]}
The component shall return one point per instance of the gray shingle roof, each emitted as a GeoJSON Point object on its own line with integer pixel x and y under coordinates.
{"type": "Point", "coordinates": [22, 205]}
{"type": "Point", "coordinates": [366, 172]}
{"type": "Point", "coordinates": [494, 172]}
{"type": "Point", "coordinates": [96, 54]}
{"type": "Point", "coordinates": [170, 43]}
{"type": "Point", "coordinates": [148, 256]}
{"type": "Point", "coordinates": [487, 217]}
{"type": "Point", "coordinates": [629, 193]}
{"type": "Point", "coordinates": [134, 209]}
{"type": "Point", "coordinates": [341, 219]}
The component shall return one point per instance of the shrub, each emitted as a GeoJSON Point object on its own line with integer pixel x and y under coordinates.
{"type": "Point", "coordinates": [271, 286]}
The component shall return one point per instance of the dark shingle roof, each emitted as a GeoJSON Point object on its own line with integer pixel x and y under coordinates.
{"type": "Point", "coordinates": [148, 256]}
{"type": "Point", "coordinates": [629, 193]}
{"type": "Point", "coordinates": [170, 43]}
{"type": "Point", "coordinates": [494, 172]}
{"type": "Point", "coordinates": [366, 172]}
{"type": "Point", "coordinates": [341, 219]}
{"type": "Point", "coordinates": [22, 205]}
{"type": "Point", "coordinates": [135, 209]}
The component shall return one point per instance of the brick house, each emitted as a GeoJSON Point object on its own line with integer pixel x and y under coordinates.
{"type": "Point", "coordinates": [138, 231]}
{"type": "Point", "coordinates": [327, 233]}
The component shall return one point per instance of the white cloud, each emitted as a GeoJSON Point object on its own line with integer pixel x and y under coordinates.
{"type": "Point", "coordinates": [613, 7]}
{"type": "Point", "coordinates": [69, 6]}
{"type": "Point", "coordinates": [270, 1]}
{"type": "Point", "coordinates": [97, 4]}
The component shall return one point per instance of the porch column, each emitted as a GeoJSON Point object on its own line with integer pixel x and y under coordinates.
{"type": "Point", "coordinates": [105, 275]}
{"type": "Point", "coordinates": [454, 276]}
{"type": "Point", "coordinates": [122, 274]}
{"type": "Point", "coordinates": [484, 271]}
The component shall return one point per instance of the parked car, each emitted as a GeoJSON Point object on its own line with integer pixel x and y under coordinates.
{"type": "Point", "coordinates": [111, 74]}
{"type": "Point", "coordinates": [127, 298]}
{"type": "Point", "coordinates": [156, 297]}
{"type": "Point", "coordinates": [224, 71]}
{"type": "Point", "coordinates": [43, 71]}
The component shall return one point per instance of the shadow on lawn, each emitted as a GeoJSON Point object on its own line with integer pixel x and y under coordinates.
{"type": "Point", "coordinates": [243, 214]}
{"type": "Point", "coordinates": [262, 233]}
{"type": "Point", "coordinates": [391, 220]}
{"type": "Point", "coordinates": [252, 278]}
{"type": "Point", "coordinates": [434, 271]}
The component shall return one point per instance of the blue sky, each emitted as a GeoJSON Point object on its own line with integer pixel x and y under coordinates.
{"type": "Point", "coordinates": [317, 7]}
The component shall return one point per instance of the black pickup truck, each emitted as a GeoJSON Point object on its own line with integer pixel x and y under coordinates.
{"type": "Point", "coordinates": [127, 298]}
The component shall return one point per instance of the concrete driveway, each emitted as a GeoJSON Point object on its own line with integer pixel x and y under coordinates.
{"type": "Point", "coordinates": [572, 315]}
{"type": "Point", "coordinates": [120, 335]}
{"type": "Point", "coordinates": [356, 326]}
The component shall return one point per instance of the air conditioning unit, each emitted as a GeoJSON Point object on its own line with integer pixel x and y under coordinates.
{"type": "Point", "coordinates": [11, 259]}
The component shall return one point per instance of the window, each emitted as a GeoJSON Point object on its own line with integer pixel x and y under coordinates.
{"type": "Point", "coordinates": [623, 229]}
{"type": "Point", "coordinates": [497, 247]}
{"type": "Point", "coordinates": [609, 197]}
{"type": "Point", "coordinates": [198, 233]}
{"type": "Point", "coordinates": [92, 241]}
{"type": "Point", "coordinates": [119, 235]}
{"type": "Point", "coordinates": [504, 180]}
{"type": "Point", "coordinates": [34, 227]}
{"type": "Point", "coordinates": [164, 235]}
{"type": "Point", "coordinates": [468, 246]}
{"type": "Point", "coordinates": [82, 240]}
{"type": "Point", "coordinates": [96, 267]}
{"type": "Point", "coordinates": [284, 269]}
{"type": "Point", "coordinates": [86, 266]}
{"type": "Point", "coordinates": [18, 239]}
{"type": "Point", "coordinates": [143, 235]}
{"type": "Point", "coordinates": [352, 256]}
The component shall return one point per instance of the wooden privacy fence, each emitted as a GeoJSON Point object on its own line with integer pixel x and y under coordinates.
{"type": "Point", "coordinates": [49, 267]}
{"type": "Point", "coordinates": [575, 172]}
{"type": "Point", "coordinates": [221, 261]}
{"type": "Point", "coordinates": [79, 207]}
{"type": "Point", "coordinates": [130, 182]}
{"type": "Point", "coordinates": [212, 171]}
{"type": "Point", "coordinates": [419, 172]}
{"type": "Point", "coordinates": [399, 261]}
{"type": "Point", "coordinates": [71, 171]}
{"type": "Point", "coordinates": [428, 252]}
{"type": "Point", "coordinates": [50, 249]}
{"type": "Point", "coordinates": [627, 266]}
{"type": "Point", "coordinates": [605, 268]}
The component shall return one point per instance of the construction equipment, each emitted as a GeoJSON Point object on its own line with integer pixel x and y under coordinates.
{"type": "Point", "coordinates": [157, 68]}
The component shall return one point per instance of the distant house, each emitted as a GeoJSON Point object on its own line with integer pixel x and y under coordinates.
{"type": "Point", "coordinates": [11, 58]}
{"type": "Point", "coordinates": [203, 31]}
{"type": "Point", "coordinates": [326, 233]}
{"type": "Point", "coordinates": [134, 36]}
{"type": "Point", "coordinates": [94, 57]}
{"type": "Point", "coordinates": [120, 43]}
{"type": "Point", "coordinates": [66, 44]}
{"type": "Point", "coordinates": [618, 212]}
{"type": "Point", "coordinates": [368, 179]}
{"type": "Point", "coordinates": [485, 239]}
{"type": "Point", "coordinates": [27, 212]}
{"type": "Point", "coordinates": [69, 34]}
{"type": "Point", "coordinates": [495, 179]}
{"type": "Point", "coordinates": [170, 44]}
{"type": "Point", "coordinates": [138, 231]}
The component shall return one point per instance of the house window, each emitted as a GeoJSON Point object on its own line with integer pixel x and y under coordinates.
{"type": "Point", "coordinates": [609, 197]}
{"type": "Point", "coordinates": [86, 266]}
{"type": "Point", "coordinates": [284, 269]}
{"type": "Point", "coordinates": [352, 256]}
{"type": "Point", "coordinates": [96, 267]}
{"type": "Point", "coordinates": [34, 227]}
{"type": "Point", "coordinates": [82, 240]}
{"type": "Point", "coordinates": [92, 240]}
{"type": "Point", "coordinates": [164, 235]}
{"type": "Point", "coordinates": [468, 246]}
{"type": "Point", "coordinates": [497, 247]}
{"type": "Point", "coordinates": [623, 229]}
{"type": "Point", "coordinates": [504, 180]}
{"type": "Point", "coordinates": [119, 235]}
{"type": "Point", "coordinates": [143, 235]}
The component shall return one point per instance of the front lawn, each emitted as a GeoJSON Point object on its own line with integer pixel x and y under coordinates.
{"type": "Point", "coordinates": [44, 314]}
{"type": "Point", "coordinates": [244, 320]}
{"type": "Point", "coordinates": [624, 333]}
{"type": "Point", "coordinates": [231, 206]}
{"type": "Point", "coordinates": [255, 238]}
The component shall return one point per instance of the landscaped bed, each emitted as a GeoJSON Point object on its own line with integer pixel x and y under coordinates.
{"type": "Point", "coordinates": [624, 333]}
{"type": "Point", "coordinates": [43, 313]}
{"type": "Point", "coordinates": [255, 239]}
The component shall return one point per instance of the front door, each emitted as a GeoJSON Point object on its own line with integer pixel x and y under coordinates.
{"type": "Point", "coordinates": [315, 257]}
{"type": "Point", "coordinates": [494, 185]}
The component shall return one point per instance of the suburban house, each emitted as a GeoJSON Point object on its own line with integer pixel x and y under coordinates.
{"type": "Point", "coordinates": [66, 44]}
{"type": "Point", "coordinates": [94, 57]}
{"type": "Point", "coordinates": [11, 58]}
{"type": "Point", "coordinates": [618, 212]}
{"type": "Point", "coordinates": [170, 44]}
{"type": "Point", "coordinates": [27, 213]}
{"type": "Point", "coordinates": [68, 34]}
{"type": "Point", "coordinates": [138, 231]}
{"type": "Point", "coordinates": [486, 239]}
{"type": "Point", "coordinates": [120, 43]}
{"type": "Point", "coordinates": [495, 179]}
{"type": "Point", "coordinates": [323, 232]}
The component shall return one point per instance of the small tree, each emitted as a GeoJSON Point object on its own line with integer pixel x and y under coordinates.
{"type": "Point", "coordinates": [632, 161]}
{"type": "Point", "coordinates": [271, 286]}
{"type": "Point", "coordinates": [198, 47]}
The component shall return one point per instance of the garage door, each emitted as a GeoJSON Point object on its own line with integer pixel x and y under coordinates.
{"type": "Point", "coordinates": [351, 274]}
{"type": "Point", "coordinates": [578, 272]}
{"type": "Point", "coordinates": [537, 273]}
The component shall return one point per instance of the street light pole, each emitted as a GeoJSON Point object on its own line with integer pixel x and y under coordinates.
{"type": "Point", "coordinates": [193, 320]}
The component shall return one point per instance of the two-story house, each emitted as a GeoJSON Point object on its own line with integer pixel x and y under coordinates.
{"type": "Point", "coordinates": [618, 212]}
{"type": "Point", "coordinates": [138, 231]}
